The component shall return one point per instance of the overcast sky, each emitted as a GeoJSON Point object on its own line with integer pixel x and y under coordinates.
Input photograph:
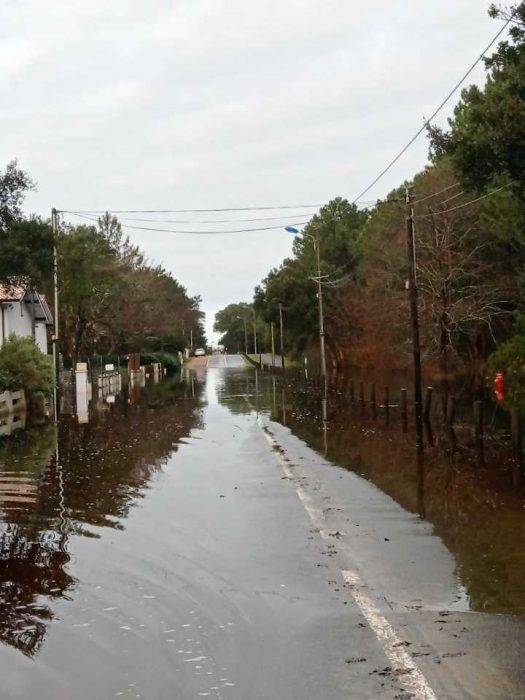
{"type": "Point", "coordinates": [172, 104]}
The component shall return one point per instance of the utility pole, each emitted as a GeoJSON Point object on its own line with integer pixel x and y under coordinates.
{"type": "Point", "coordinates": [191, 339]}
{"type": "Point", "coordinates": [245, 337]}
{"type": "Point", "coordinates": [254, 333]}
{"type": "Point", "coordinates": [412, 293]}
{"type": "Point", "coordinates": [281, 334]}
{"type": "Point", "coordinates": [273, 344]}
{"type": "Point", "coordinates": [54, 227]}
{"type": "Point", "coordinates": [321, 315]}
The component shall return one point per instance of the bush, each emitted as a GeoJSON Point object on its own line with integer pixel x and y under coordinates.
{"type": "Point", "coordinates": [170, 362]}
{"type": "Point", "coordinates": [23, 366]}
{"type": "Point", "coordinates": [509, 358]}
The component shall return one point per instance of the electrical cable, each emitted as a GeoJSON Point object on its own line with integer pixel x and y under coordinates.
{"type": "Point", "coordinates": [217, 221]}
{"type": "Point", "coordinates": [189, 211]}
{"type": "Point", "coordinates": [477, 199]}
{"type": "Point", "coordinates": [167, 230]}
{"type": "Point", "coordinates": [435, 194]}
{"type": "Point", "coordinates": [427, 122]}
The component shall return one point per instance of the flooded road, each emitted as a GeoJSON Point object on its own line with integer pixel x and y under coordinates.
{"type": "Point", "coordinates": [153, 545]}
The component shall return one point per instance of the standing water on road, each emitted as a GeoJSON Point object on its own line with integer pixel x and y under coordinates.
{"type": "Point", "coordinates": [151, 547]}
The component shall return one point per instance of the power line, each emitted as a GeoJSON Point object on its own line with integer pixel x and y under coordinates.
{"type": "Point", "coordinates": [199, 233]}
{"type": "Point", "coordinates": [217, 221]}
{"type": "Point", "coordinates": [189, 211]}
{"type": "Point", "coordinates": [477, 199]}
{"type": "Point", "coordinates": [435, 194]}
{"type": "Point", "coordinates": [427, 122]}
{"type": "Point", "coordinates": [458, 194]}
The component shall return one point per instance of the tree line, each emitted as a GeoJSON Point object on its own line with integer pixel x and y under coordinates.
{"type": "Point", "coordinates": [112, 299]}
{"type": "Point", "coordinates": [469, 208]}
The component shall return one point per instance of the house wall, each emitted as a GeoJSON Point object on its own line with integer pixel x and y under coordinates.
{"type": "Point", "coordinates": [41, 337]}
{"type": "Point", "coordinates": [16, 320]}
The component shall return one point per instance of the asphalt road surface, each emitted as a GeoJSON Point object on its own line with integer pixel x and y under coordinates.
{"type": "Point", "coordinates": [247, 568]}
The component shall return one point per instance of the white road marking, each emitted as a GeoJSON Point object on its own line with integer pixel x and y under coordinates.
{"type": "Point", "coordinates": [407, 672]}
{"type": "Point", "coordinates": [394, 647]}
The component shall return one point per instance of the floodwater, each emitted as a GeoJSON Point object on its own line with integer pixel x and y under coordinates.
{"type": "Point", "coordinates": [477, 511]}
{"type": "Point", "coordinates": [67, 493]}
{"type": "Point", "coordinates": [75, 479]}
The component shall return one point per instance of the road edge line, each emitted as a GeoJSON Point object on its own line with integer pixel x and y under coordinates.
{"type": "Point", "coordinates": [410, 675]}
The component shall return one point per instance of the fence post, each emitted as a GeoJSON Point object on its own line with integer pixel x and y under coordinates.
{"type": "Point", "coordinates": [428, 404]}
{"type": "Point", "coordinates": [478, 431]}
{"type": "Point", "coordinates": [517, 471]}
{"type": "Point", "coordinates": [451, 411]}
{"type": "Point", "coordinates": [387, 405]}
{"type": "Point", "coordinates": [373, 400]}
{"type": "Point", "coordinates": [404, 412]}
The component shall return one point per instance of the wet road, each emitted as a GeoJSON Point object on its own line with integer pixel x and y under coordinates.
{"type": "Point", "coordinates": [182, 544]}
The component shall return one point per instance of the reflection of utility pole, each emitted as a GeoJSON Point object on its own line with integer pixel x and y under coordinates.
{"type": "Point", "coordinates": [412, 293]}
{"type": "Point", "coordinates": [281, 334]}
{"type": "Point", "coordinates": [254, 333]}
{"type": "Point", "coordinates": [55, 303]}
{"type": "Point", "coordinates": [191, 338]}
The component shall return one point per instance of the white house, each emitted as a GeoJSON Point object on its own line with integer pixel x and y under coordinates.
{"type": "Point", "coordinates": [16, 310]}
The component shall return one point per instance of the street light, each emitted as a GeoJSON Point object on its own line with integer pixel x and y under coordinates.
{"type": "Point", "coordinates": [245, 334]}
{"type": "Point", "coordinates": [315, 241]}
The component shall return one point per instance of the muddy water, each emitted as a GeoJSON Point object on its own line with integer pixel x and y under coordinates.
{"type": "Point", "coordinates": [67, 493]}
{"type": "Point", "coordinates": [76, 479]}
{"type": "Point", "coordinates": [477, 512]}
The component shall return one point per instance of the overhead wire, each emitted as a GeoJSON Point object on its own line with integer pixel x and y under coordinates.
{"type": "Point", "coordinates": [215, 221]}
{"type": "Point", "coordinates": [191, 211]}
{"type": "Point", "coordinates": [427, 122]}
{"type": "Point", "coordinates": [200, 233]}
{"type": "Point", "coordinates": [435, 194]}
{"type": "Point", "coordinates": [477, 199]}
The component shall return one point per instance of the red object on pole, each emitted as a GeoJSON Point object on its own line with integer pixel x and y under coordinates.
{"type": "Point", "coordinates": [499, 384]}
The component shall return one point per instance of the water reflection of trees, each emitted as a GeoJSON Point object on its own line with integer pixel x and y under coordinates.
{"type": "Point", "coordinates": [476, 511]}
{"type": "Point", "coordinates": [88, 478]}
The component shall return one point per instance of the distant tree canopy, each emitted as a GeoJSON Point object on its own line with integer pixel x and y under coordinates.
{"type": "Point", "coordinates": [486, 136]}
{"type": "Point", "coordinates": [236, 324]}
{"type": "Point", "coordinates": [14, 185]}
{"type": "Point", "coordinates": [470, 243]}
{"type": "Point", "coordinates": [111, 299]}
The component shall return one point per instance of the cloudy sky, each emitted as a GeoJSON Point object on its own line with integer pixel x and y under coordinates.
{"type": "Point", "coordinates": [202, 104]}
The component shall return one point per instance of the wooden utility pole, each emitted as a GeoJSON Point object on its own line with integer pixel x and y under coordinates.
{"type": "Point", "coordinates": [416, 346]}
{"type": "Point", "coordinates": [281, 334]}
{"type": "Point", "coordinates": [273, 344]}
{"type": "Point", "coordinates": [321, 315]}
{"type": "Point", "coordinates": [254, 332]}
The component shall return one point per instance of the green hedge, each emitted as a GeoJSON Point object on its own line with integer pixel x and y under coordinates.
{"type": "Point", "coordinates": [509, 358]}
{"type": "Point", "coordinates": [170, 362]}
{"type": "Point", "coordinates": [23, 366]}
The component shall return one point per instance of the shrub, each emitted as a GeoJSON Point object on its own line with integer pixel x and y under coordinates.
{"type": "Point", "coordinates": [170, 362]}
{"type": "Point", "coordinates": [509, 358]}
{"type": "Point", "coordinates": [23, 366]}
